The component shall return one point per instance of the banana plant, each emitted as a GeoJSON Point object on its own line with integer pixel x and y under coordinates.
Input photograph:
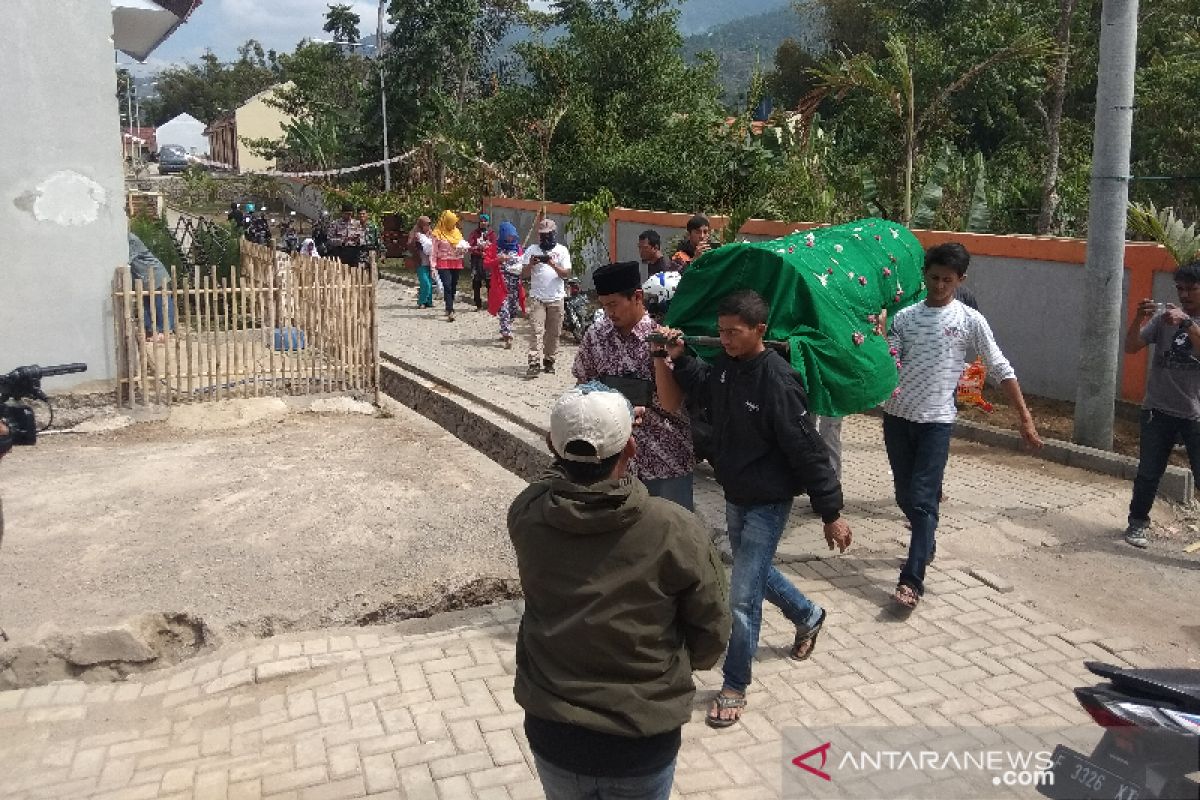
{"type": "Point", "coordinates": [979, 215]}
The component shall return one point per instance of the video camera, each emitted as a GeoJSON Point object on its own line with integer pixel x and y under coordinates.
{"type": "Point", "coordinates": [26, 383]}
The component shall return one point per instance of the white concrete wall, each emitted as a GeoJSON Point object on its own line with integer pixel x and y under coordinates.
{"type": "Point", "coordinates": [62, 218]}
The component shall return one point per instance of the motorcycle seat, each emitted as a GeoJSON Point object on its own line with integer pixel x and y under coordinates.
{"type": "Point", "coordinates": [1180, 686]}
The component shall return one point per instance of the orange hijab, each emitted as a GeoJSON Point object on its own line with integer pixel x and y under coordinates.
{"type": "Point", "coordinates": [447, 228]}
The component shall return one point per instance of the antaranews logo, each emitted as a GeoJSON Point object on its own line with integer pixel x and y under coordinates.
{"type": "Point", "coordinates": [801, 761]}
{"type": "Point", "coordinates": [916, 762]}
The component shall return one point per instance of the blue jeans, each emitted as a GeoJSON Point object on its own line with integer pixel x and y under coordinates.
{"type": "Point", "coordinates": [561, 784]}
{"type": "Point", "coordinates": [164, 314]}
{"type": "Point", "coordinates": [449, 278]}
{"type": "Point", "coordinates": [1160, 432]}
{"type": "Point", "coordinates": [677, 490]}
{"type": "Point", "coordinates": [917, 452]}
{"type": "Point", "coordinates": [425, 285]}
{"type": "Point", "coordinates": [754, 533]}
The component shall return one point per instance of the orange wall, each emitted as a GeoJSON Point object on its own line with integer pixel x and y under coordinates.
{"type": "Point", "coordinates": [1142, 259]}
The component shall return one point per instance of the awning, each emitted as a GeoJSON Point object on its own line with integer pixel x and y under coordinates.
{"type": "Point", "coordinates": [139, 26]}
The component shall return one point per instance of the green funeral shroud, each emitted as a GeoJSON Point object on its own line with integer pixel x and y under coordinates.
{"type": "Point", "coordinates": [825, 288]}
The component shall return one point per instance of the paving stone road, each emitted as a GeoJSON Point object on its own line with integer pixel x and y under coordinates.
{"type": "Point", "coordinates": [425, 709]}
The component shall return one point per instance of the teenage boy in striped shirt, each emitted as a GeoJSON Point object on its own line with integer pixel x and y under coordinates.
{"type": "Point", "coordinates": [931, 340]}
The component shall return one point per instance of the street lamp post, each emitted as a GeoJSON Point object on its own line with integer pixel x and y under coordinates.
{"type": "Point", "coordinates": [387, 167]}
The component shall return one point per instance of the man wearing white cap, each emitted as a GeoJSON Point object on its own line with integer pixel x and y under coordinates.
{"type": "Point", "coordinates": [624, 597]}
{"type": "Point", "coordinates": [546, 265]}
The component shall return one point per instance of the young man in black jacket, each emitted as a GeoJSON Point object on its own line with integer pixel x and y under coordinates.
{"type": "Point", "coordinates": [766, 451]}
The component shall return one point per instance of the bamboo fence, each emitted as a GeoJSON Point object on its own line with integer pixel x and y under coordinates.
{"type": "Point", "coordinates": [278, 326]}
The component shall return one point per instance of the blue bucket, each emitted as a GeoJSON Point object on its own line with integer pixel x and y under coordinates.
{"type": "Point", "coordinates": [289, 339]}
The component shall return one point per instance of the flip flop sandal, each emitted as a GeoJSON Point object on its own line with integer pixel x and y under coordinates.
{"type": "Point", "coordinates": [806, 636]}
{"type": "Point", "coordinates": [906, 597]}
{"type": "Point", "coordinates": [724, 702]}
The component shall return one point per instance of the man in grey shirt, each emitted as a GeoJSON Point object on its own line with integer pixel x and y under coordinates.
{"type": "Point", "coordinates": [1171, 408]}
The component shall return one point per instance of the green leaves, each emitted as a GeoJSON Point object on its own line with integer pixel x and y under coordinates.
{"type": "Point", "coordinates": [1166, 229]}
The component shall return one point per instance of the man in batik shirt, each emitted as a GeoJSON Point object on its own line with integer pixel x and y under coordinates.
{"type": "Point", "coordinates": [615, 352]}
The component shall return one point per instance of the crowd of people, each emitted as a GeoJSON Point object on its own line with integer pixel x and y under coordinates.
{"type": "Point", "coordinates": [625, 591]}
{"type": "Point", "coordinates": [609, 550]}
{"type": "Point", "coordinates": [353, 238]}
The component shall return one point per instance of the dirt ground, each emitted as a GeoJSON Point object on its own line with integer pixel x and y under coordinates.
{"type": "Point", "coordinates": [302, 521]}
{"type": "Point", "coordinates": [1055, 419]}
{"type": "Point", "coordinates": [295, 521]}
{"type": "Point", "coordinates": [1072, 563]}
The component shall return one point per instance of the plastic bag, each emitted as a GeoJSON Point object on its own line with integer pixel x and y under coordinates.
{"type": "Point", "coordinates": [970, 386]}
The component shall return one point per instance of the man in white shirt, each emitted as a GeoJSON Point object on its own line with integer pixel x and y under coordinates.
{"type": "Point", "coordinates": [546, 264]}
{"type": "Point", "coordinates": [930, 342]}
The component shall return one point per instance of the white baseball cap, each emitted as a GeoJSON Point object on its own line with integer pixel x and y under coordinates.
{"type": "Point", "coordinates": [547, 225]}
{"type": "Point", "coordinates": [592, 413]}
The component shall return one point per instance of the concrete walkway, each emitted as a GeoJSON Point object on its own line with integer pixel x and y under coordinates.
{"type": "Point", "coordinates": [425, 709]}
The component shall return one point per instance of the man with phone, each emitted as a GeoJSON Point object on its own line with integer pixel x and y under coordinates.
{"type": "Point", "coordinates": [546, 265]}
{"type": "Point", "coordinates": [615, 351]}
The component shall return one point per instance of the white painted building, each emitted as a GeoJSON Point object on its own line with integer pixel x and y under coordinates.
{"type": "Point", "coordinates": [62, 188]}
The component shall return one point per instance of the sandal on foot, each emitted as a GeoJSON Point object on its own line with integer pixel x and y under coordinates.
{"type": "Point", "coordinates": [906, 597]}
{"type": "Point", "coordinates": [721, 703]}
{"type": "Point", "coordinates": [806, 640]}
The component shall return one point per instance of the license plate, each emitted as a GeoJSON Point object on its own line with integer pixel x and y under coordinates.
{"type": "Point", "coordinates": [1076, 777]}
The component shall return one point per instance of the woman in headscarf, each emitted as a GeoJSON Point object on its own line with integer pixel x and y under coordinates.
{"type": "Point", "coordinates": [420, 249]}
{"type": "Point", "coordinates": [449, 247]}
{"type": "Point", "coordinates": [506, 294]}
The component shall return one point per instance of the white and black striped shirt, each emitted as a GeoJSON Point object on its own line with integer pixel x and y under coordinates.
{"type": "Point", "coordinates": [931, 345]}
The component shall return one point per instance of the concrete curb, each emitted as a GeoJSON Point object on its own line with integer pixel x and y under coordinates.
{"type": "Point", "coordinates": [496, 433]}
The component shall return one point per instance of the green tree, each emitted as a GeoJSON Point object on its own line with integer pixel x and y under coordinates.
{"type": "Point", "coordinates": [324, 96]}
{"type": "Point", "coordinates": [648, 127]}
{"type": "Point", "coordinates": [341, 23]}
{"type": "Point", "coordinates": [434, 58]}
{"type": "Point", "coordinates": [791, 78]}
{"type": "Point", "coordinates": [209, 88]}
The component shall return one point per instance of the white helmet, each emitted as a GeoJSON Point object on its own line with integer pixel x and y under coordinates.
{"type": "Point", "coordinates": [660, 287]}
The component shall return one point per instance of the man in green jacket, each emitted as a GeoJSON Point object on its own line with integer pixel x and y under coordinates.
{"type": "Point", "coordinates": [624, 597]}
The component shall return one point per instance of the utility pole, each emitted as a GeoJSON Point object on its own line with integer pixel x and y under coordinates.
{"type": "Point", "coordinates": [129, 117]}
{"type": "Point", "coordinates": [387, 167]}
{"type": "Point", "coordinates": [1099, 355]}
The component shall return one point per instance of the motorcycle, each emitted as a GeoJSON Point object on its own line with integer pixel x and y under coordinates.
{"type": "Point", "coordinates": [1151, 741]}
{"type": "Point", "coordinates": [576, 319]}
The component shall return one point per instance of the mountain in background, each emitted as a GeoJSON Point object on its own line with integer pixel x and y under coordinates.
{"type": "Point", "coordinates": [699, 16]}
{"type": "Point", "coordinates": [750, 41]}
{"type": "Point", "coordinates": [742, 35]}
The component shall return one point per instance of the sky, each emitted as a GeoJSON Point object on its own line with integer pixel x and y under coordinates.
{"type": "Point", "coordinates": [223, 25]}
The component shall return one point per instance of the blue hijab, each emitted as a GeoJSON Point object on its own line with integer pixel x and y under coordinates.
{"type": "Point", "coordinates": [507, 239]}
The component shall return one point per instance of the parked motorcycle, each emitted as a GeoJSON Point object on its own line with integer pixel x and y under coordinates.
{"type": "Point", "coordinates": [576, 319]}
{"type": "Point", "coordinates": [1151, 741]}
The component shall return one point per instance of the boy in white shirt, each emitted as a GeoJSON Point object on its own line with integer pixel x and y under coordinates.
{"type": "Point", "coordinates": [546, 265]}
{"type": "Point", "coordinates": [930, 341]}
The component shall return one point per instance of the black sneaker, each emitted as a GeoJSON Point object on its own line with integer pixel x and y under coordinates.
{"type": "Point", "coordinates": [548, 366]}
{"type": "Point", "coordinates": [533, 370]}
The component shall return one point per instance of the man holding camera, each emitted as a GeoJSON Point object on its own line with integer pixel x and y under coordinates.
{"type": "Point", "coordinates": [546, 265]}
{"type": "Point", "coordinates": [616, 353]}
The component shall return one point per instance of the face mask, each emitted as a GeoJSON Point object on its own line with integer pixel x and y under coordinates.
{"type": "Point", "coordinates": [546, 241]}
